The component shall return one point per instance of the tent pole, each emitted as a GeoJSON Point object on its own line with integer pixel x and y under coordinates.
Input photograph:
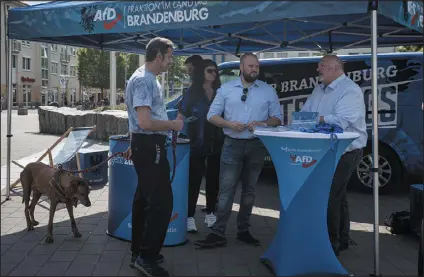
{"type": "Point", "coordinates": [112, 80]}
{"type": "Point", "coordinates": [9, 115]}
{"type": "Point", "coordinates": [375, 139]}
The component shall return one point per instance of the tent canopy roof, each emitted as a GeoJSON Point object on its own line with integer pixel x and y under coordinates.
{"type": "Point", "coordinates": [218, 27]}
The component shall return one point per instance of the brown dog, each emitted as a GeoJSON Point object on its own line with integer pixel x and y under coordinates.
{"type": "Point", "coordinates": [59, 187]}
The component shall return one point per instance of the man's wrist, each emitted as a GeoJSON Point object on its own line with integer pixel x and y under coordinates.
{"type": "Point", "coordinates": [172, 125]}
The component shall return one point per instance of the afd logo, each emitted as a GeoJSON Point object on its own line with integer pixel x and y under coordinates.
{"type": "Point", "coordinates": [304, 161]}
{"type": "Point", "coordinates": [109, 16]}
{"type": "Point", "coordinates": [173, 218]}
{"type": "Point", "coordinates": [413, 12]}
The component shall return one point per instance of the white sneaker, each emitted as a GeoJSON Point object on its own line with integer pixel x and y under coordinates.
{"type": "Point", "coordinates": [191, 225]}
{"type": "Point", "coordinates": [210, 219]}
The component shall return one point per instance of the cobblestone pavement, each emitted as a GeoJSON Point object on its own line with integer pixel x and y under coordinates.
{"type": "Point", "coordinates": [95, 253]}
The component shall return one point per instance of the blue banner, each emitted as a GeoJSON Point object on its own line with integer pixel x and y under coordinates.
{"type": "Point", "coordinates": [65, 18]}
{"type": "Point", "coordinates": [407, 13]}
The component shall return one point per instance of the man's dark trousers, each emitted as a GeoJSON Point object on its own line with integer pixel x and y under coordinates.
{"type": "Point", "coordinates": [338, 220]}
{"type": "Point", "coordinates": [153, 199]}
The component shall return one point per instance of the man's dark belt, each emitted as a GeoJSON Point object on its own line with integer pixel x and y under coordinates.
{"type": "Point", "coordinates": [245, 139]}
{"type": "Point", "coordinates": [141, 135]}
{"type": "Point", "coordinates": [160, 137]}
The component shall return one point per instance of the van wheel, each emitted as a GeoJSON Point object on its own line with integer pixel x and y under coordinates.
{"type": "Point", "coordinates": [390, 175]}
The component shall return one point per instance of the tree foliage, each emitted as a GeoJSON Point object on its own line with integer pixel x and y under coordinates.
{"type": "Point", "coordinates": [93, 68]}
{"type": "Point", "coordinates": [410, 48]}
{"type": "Point", "coordinates": [176, 70]}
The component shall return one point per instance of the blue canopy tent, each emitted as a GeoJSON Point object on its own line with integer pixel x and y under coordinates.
{"type": "Point", "coordinates": [224, 27]}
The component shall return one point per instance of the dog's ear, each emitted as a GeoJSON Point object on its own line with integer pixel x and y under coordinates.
{"type": "Point", "coordinates": [72, 187]}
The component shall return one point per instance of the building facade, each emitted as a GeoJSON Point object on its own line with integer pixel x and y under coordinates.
{"type": "Point", "coordinates": [41, 73]}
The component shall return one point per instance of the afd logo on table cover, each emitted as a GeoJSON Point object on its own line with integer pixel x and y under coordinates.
{"type": "Point", "coordinates": [304, 161]}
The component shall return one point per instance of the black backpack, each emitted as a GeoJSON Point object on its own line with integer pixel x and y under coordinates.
{"type": "Point", "coordinates": [398, 222]}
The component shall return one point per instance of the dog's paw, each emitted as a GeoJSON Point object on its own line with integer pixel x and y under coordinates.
{"type": "Point", "coordinates": [49, 239]}
{"type": "Point", "coordinates": [77, 234]}
{"type": "Point", "coordinates": [30, 228]}
{"type": "Point", "coordinates": [35, 222]}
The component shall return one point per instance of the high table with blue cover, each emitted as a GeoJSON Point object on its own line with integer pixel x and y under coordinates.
{"type": "Point", "coordinates": [305, 164]}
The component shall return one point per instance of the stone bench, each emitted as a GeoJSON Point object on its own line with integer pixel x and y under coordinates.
{"type": "Point", "coordinates": [56, 121]}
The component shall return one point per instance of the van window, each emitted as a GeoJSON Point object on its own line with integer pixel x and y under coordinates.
{"type": "Point", "coordinates": [229, 74]}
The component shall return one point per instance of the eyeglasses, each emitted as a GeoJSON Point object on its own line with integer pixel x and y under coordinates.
{"type": "Point", "coordinates": [210, 71]}
{"type": "Point", "coordinates": [244, 96]}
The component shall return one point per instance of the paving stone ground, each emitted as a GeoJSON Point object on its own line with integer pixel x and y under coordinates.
{"type": "Point", "coordinates": [95, 253]}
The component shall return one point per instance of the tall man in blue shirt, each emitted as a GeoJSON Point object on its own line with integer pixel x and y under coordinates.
{"type": "Point", "coordinates": [339, 100]}
{"type": "Point", "coordinates": [149, 127]}
{"type": "Point", "coordinates": [239, 107]}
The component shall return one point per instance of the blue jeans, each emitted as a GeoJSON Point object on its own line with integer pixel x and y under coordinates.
{"type": "Point", "coordinates": [240, 159]}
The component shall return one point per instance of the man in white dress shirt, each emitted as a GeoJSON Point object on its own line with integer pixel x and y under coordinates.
{"type": "Point", "coordinates": [339, 100]}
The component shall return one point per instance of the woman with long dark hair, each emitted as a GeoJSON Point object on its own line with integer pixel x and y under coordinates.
{"type": "Point", "coordinates": [206, 140]}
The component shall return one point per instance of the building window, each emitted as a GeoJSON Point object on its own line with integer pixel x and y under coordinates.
{"type": "Point", "coordinates": [73, 71]}
{"type": "Point", "coordinates": [282, 55]}
{"type": "Point", "coordinates": [27, 94]}
{"type": "Point", "coordinates": [55, 67]}
{"type": "Point", "coordinates": [63, 69]}
{"type": "Point", "coordinates": [44, 52]}
{"type": "Point", "coordinates": [44, 77]}
{"type": "Point", "coordinates": [73, 51]}
{"type": "Point", "coordinates": [14, 61]}
{"type": "Point", "coordinates": [303, 54]}
{"type": "Point", "coordinates": [26, 43]}
{"type": "Point", "coordinates": [268, 55]}
{"type": "Point", "coordinates": [26, 64]}
{"type": "Point", "coordinates": [54, 47]}
{"type": "Point", "coordinates": [44, 67]}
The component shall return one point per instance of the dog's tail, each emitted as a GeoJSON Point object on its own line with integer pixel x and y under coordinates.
{"type": "Point", "coordinates": [26, 181]}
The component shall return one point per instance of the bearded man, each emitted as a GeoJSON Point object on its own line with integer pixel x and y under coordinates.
{"type": "Point", "coordinates": [239, 106]}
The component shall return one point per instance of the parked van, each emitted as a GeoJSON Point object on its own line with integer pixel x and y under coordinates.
{"type": "Point", "coordinates": [400, 115]}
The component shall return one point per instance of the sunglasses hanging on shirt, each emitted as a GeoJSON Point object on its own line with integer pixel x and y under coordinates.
{"type": "Point", "coordinates": [244, 96]}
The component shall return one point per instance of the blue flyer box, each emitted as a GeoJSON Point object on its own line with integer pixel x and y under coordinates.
{"type": "Point", "coordinates": [123, 184]}
{"type": "Point", "coordinates": [89, 158]}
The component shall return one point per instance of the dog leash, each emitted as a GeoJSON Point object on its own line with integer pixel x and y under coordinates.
{"type": "Point", "coordinates": [60, 166]}
{"type": "Point", "coordinates": [174, 153]}
{"type": "Point", "coordinates": [174, 140]}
